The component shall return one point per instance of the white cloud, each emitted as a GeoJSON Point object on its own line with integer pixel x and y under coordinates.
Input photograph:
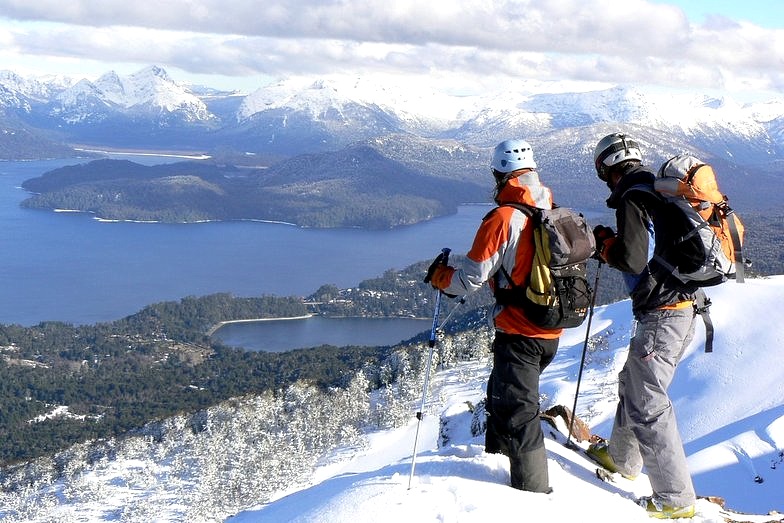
{"type": "Point", "coordinates": [622, 41]}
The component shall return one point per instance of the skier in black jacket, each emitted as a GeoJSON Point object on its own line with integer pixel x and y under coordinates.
{"type": "Point", "coordinates": [645, 431]}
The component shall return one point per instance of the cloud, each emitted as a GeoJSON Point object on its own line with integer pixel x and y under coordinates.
{"type": "Point", "coordinates": [621, 41]}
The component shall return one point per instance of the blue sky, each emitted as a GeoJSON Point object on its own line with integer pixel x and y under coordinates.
{"type": "Point", "coordinates": [765, 13]}
{"type": "Point", "coordinates": [723, 45]}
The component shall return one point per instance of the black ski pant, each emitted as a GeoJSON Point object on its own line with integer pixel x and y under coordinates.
{"type": "Point", "coordinates": [513, 426]}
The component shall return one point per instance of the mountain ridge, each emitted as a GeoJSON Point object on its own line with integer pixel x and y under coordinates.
{"type": "Point", "coordinates": [330, 112]}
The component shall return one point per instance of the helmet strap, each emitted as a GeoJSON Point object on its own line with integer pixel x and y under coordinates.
{"type": "Point", "coordinates": [601, 172]}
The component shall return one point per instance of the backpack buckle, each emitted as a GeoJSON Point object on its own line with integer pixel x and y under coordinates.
{"type": "Point", "coordinates": [701, 306]}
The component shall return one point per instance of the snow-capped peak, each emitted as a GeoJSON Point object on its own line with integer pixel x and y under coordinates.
{"type": "Point", "coordinates": [150, 90]}
{"type": "Point", "coordinates": [317, 96]}
{"type": "Point", "coordinates": [34, 89]}
{"type": "Point", "coordinates": [682, 111]}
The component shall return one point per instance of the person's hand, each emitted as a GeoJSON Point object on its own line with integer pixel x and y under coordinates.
{"type": "Point", "coordinates": [439, 274]}
{"type": "Point", "coordinates": [602, 232]}
{"type": "Point", "coordinates": [442, 277]}
{"type": "Point", "coordinates": [604, 237]}
{"type": "Point", "coordinates": [440, 260]}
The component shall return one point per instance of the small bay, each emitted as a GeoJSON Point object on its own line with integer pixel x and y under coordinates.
{"type": "Point", "coordinates": [288, 334]}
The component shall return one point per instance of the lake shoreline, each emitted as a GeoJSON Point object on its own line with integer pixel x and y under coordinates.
{"type": "Point", "coordinates": [220, 324]}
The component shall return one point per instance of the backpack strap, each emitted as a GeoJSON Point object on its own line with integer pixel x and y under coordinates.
{"type": "Point", "coordinates": [529, 212]}
{"type": "Point", "coordinates": [512, 284]}
{"type": "Point", "coordinates": [736, 243]}
{"type": "Point", "coordinates": [642, 187]}
{"type": "Point", "coordinates": [701, 305]}
{"type": "Point", "coordinates": [525, 209]}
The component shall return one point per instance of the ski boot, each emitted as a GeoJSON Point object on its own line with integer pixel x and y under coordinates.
{"type": "Point", "coordinates": [657, 509]}
{"type": "Point", "coordinates": [600, 453]}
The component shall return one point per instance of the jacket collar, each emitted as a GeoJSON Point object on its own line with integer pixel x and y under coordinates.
{"type": "Point", "coordinates": [526, 189]}
{"type": "Point", "coordinates": [638, 175]}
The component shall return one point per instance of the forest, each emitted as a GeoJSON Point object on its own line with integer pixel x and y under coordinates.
{"type": "Point", "coordinates": [215, 461]}
{"type": "Point", "coordinates": [116, 377]}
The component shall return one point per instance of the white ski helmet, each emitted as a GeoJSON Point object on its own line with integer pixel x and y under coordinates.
{"type": "Point", "coordinates": [612, 150]}
{"type": "Point", "coordinates": [511, 155]}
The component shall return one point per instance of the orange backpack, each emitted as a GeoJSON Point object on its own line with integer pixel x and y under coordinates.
{"type": "Point", "coordinates": [711, 250]}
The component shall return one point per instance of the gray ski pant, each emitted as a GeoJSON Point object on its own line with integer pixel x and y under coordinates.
{"type": "Point", "coordinates": [645, 431]}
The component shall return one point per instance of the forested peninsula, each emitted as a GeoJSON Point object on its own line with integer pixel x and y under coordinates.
{"type": "Point", "coordinates": [355, 187]}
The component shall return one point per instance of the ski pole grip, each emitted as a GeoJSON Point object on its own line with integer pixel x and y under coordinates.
{"type": "Point", "coordinates": [445, 251]}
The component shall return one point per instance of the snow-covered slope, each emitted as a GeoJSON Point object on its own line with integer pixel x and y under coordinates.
{"type": "Point", "coordinates": [730, 407]}
{"type": "Point", "coordinates": [38, 89]}
{"type": "Point", "coordinates": [687, 111]}
{"type": "Point", "coordinates": [413, 106]}
{"type": "Point", "coordinates": [715, 123]}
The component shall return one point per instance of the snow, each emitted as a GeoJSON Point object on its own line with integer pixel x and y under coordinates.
{"type": "Point", "coordinates": [429, 107]}
{"type": "Point", "coordinates": [60, 411]}
{"type": "Point", "coordinates": [678, 110]}
{"type": "Point", "coordinates": [729, 403]}
{"type": "Point", "coordinates": [317, 96]}
{"type": "Point", "coordinates": [150, 87]}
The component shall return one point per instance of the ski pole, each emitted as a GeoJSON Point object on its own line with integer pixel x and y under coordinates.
{"type": "Point", "coordinates": [459, 302]}
{"type": "Point", "coordinates": [569, 443]}
{"type": "Point", "coordinates": [431, 344]}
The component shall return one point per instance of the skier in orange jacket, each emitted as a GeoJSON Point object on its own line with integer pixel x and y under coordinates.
{"type": "Point", "coordinates": [521, 349]}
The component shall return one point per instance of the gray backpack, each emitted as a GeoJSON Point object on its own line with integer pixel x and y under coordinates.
{"type": "Point", "coordinates": [557, 294]}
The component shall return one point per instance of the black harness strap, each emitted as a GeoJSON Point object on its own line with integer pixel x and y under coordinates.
{"type": "Point", "coordinates": [701, 305]}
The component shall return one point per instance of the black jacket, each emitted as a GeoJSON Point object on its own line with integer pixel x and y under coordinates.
{"type": "Point", "coordinates": [639, 213]}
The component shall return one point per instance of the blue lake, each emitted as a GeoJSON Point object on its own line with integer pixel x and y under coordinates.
{"type": "Point", "coordinates": [283, 335]}
{"type": "Point", "coordinates": [71, 267]}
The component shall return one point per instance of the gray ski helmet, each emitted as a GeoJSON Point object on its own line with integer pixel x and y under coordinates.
{"type": "Point", "coordinates": [511, 155]}
{"type": "Point", "coordinates": [612, 150]}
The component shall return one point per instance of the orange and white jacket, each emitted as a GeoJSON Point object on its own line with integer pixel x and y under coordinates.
{"type": "Point", "coordinates": [505, 237]}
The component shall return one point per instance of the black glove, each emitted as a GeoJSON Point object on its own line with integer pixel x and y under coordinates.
{"type": "Point", "coordinates": [602, 232]}
{"type": "Point", "coordinates": [604, 236]}
{"type": "Point", "coordinates": [441, 259]}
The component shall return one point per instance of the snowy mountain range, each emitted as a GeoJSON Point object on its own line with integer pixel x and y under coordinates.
{"type": "Point", "coordinates": [150, 91]}
{"type": "Point", "coordinates": [297, 115]}
{"type": "Point", "coordinates": [729, 405]}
